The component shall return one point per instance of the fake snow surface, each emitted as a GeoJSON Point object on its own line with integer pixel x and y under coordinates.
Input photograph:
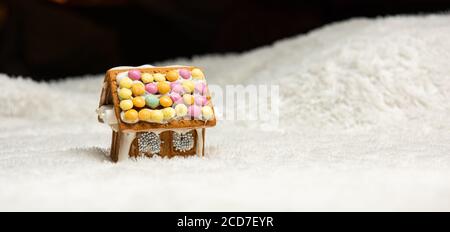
{"type": "Point", "coordinates": [364, 126]}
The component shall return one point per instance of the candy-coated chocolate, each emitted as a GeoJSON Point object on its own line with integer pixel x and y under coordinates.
{"type": "Point", "coordinates": [156, 116]}
{"type": "Point", "coordinates": [165, 101]}
{"type": "Point", "coordinates": [147, 78]}
{"type": "Point", "coordinates": [159, 77]}
{"type": "Point", "coordinates": [152, 101]}
{"type": "Point", "coordinates": [177, 89]}
{"type": "Point", "coordinates": [131, 115]}
{"type": "Point", "coordinates": [134, 74]}
{"type": "Point", "coordinates": [188, 86]}
{"type": "Point", "coordinates": [172, 84]}
{"type": "Point", "coordinates": [125, 93]}
{"type": "Point", "coordinates": [175, 96]}
{"type": "Point", "coordinates": [151, 88]}
{"type": "Point", "coordinates": [200, 88]}
{"type": "Point", "coordinates": [207, 112]}
{"type": "Point", "coordinates": [194, 111]}
{"type": "Point", "coordinates": [188, 99]}
{"type": "Point", "coordinates": [138, 88]}
{"type": "Point", "coordinates": [139, 102]}
{"type": "Point", "coordinates": [125, 83]}
{"type": "Point", "coordinates": [197, 74]}
{"type": "Point", "coordinates": [145, 114]}
{"type": "Point", "coordinates": [172, 75]}
{"type": "Point", "coordinates": [163, 87]}
{"type": "Point", "coordinates": [200, 100]}
{"type": "Point", "coordinates": [126, 104]}
{"type": "Point", "coordinates": [169, 113]}
{"type": "Point", "coordinates": [181, 110]}
{"type": "Point", "coordinates": [184, 73]}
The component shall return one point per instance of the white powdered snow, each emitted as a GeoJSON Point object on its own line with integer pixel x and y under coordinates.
{"type": "Point", "coordinates": [364, 126]}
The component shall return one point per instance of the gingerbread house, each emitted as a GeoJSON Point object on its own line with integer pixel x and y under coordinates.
{"type": "Point", "coordinates": [156, 111]}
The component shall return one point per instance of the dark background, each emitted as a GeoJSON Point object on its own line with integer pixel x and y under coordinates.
{"type": "Point", "coordinates": [50, 39]}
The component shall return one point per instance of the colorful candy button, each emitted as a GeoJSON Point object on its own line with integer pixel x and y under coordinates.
{"type": "Point", "coordinates": [159, 77]}
{"type": "Point", "coordinates": [177, 88]}
{"type": "Point", "coordinates": [200, 88]}
{"type": "Point", "coordinates": [197, 74]}
{"type": "Point", "coordinates": [194, 111]}
{"type": "Point", "coordinates": [188, 86]}
{"type": "Point", "coordinates": [131, 115]}
{"type": "Point", "coordinates": [181, 110]}
{"type": "Point", "coordinates": [145, 114]}
{"type": "Point", "coordinates": [207, 112]}
{"type": "Point", "coordinates": [151, 88]}
{"type": "Point", "coordinates": [156, 116]}
{"type": "Point", "coordinates": [169, 113]}
{"type": "Point", "coordinates": [126, 104]}
{"type": "Point", "coordinates": [200, 100]}
{"type": "Point", "coordinates": [165, 101]}
{"type": "Point", "coordinates": [138, 88]}
{"type": "Point", "coordinates": [125, 83]}
{"type": "Point", "coordinates": [125, 93]}
{"type": "Point", "coordinates": [152, 101]}
{"type": "Point", "coordinates": [188, 99]}
{"type": "Point", "coordinates": [147, 78]}
{"type": "Point", "coordinates": [175, 97]}
{"type": "Point", "coordinates": [163, 87]}
{"type": "Point", "coordinates": [184, 73]}
{"type": "Point", "coordinates": [139, 102]}
{"type": "Point", "coordinates": [134, 74]}
{"type": "Point", "coordinates": [172, 75]}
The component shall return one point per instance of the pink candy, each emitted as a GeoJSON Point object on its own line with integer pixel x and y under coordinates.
{"type": "Point", "coordinates": [151, 88]}
{"type": "Point", "coordinates": [175, 97]}
{"type": "Point", "coordinates": [177, 88]}
{"type": "Point", "coordinates": [194, 111]}
{"type": "Point", "coordinates": [200, 100]}
{"type": "Point", "coordinates": [200, 88]}
{"type": "Point", "coordinates": [184, 73]}
{"type": "Point", "coordinates": [134, 74]}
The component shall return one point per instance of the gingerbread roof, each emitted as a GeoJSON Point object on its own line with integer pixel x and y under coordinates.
{"type": "Point", "coordinates": [151, 98]}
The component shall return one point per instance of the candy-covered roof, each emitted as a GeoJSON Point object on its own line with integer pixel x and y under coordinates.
{"type": "Point", "coordinates": [148, 97]}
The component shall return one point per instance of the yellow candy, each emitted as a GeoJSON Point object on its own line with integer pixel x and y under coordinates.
{"type": "Point", "coordinates": [188, 86]}
{"type": "Point", "coordinates": [125, 83]}
{"type": "Point", "coordinates": [124, 93]}
{"type": "Point", "coordinates": [146, 78]}
{"type": "Point", "coordinates": [139, 102]}
{"type": "Point", "coordinates": [207, 112]}
{"type": "Point", "coordinates": [172, 75]}
{"type": "Point", "coordinates": [163, 87]}
{"type": "Point", "coordinates": [188, 99]}
{"type": "Point", "coordinates": [131, 115]}
{"type": "Point", "coordinates": [138, 88]}
{"type": "Point", "coordinates": [126, 104]}
{"type": "Point", "coordinates": [165, 101]}
{"type": "Point", "coordinates": [181, 110]}
{"type": "Point", "coordinates": [159, 77]}
{"type": "Point", "coordinates": [168, 113]}
{"type": "Point", "coordinates": [156, 116]}
{"type": "Point", "coordinates": [197, 74]}
{"type": "Point", "coordinates": [145, 114]}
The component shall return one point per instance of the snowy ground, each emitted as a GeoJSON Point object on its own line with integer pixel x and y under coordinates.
{"type": "Point", "coordinates": [365, 125]}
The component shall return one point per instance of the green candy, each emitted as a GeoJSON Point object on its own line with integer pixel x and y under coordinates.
{"type": "Point", "coordinates": [151, 101]}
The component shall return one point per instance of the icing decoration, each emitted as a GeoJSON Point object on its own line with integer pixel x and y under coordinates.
{"type": "Point", "coordinates": [152, 101]}
{"type": "Point", "coordinates": [134, 74]}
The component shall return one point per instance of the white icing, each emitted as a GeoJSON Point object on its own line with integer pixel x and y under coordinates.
{"type": "Point", "coordinates": [106, 113]}
{"type": "Point", "coordinates": [126, 139]}
{"type": "Point", "coordinates": [199, 141]}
